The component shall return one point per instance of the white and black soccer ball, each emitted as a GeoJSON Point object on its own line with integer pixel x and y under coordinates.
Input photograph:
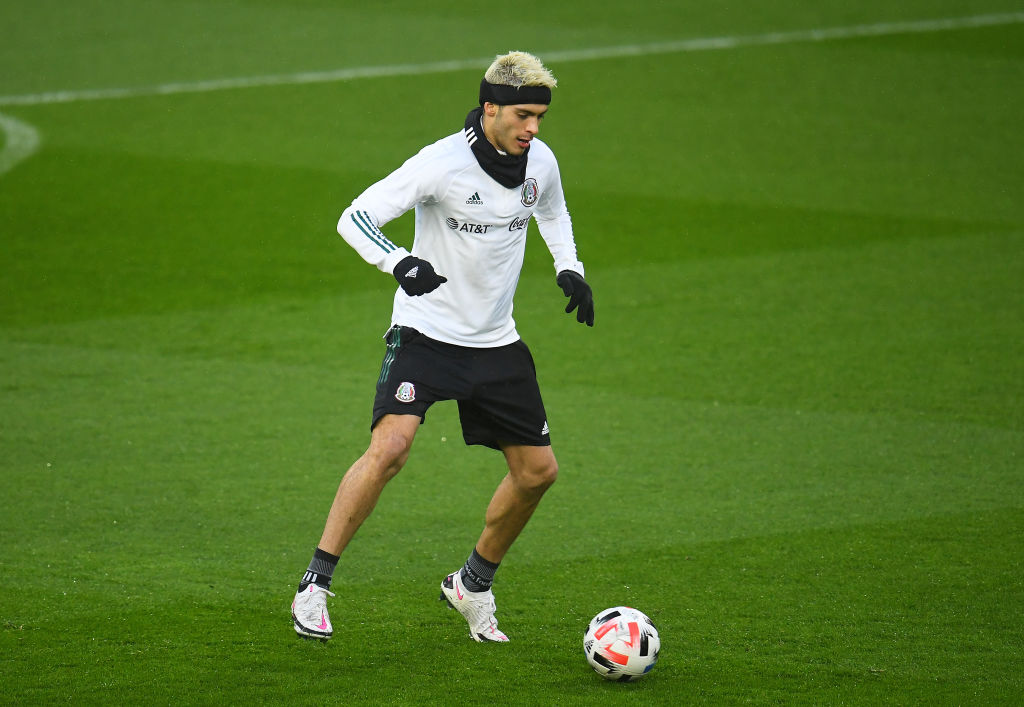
{"type": "Point", "coordinates": [621, 644]}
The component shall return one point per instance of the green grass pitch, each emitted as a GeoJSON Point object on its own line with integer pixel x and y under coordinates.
{"type": "Point", "coordinates": [794, 437]}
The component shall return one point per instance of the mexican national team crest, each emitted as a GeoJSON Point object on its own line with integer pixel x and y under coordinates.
{"type": "Point", "coordinates": [530, 192]}
{"type": "Point", "coordinates": [406, 393]}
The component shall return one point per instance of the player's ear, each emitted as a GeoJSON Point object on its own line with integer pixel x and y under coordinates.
{"type": "Point", "coordinates": [490, 109]}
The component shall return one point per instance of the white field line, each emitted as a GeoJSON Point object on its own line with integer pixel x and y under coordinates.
{"type": "Point", "coordinates": [678, 46]}
{"type": "Point", "coordinates": [22, 141]}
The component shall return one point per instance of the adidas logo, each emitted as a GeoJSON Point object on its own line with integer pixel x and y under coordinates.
{"type": "Point", "coordinates": [475, 199]}
{"type": "Point", "coordinates": [413, 272]}
{"type": "Point", "coordinates": [544, 430]}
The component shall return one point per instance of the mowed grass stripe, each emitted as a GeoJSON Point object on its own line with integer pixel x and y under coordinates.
{"type": "Point", "coordinates": [786, 434]}
{"type": "Point", "coordinates": [801, 614]}
{"type": "Point", "coordinates": [821, 34]}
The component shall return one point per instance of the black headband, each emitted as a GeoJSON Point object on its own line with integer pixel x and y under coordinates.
{"type": "Point", "coordinates": [502, 95]}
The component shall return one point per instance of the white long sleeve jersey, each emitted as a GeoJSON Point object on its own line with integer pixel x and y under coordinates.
{"type": "Point", "coordinates": [471, 229]}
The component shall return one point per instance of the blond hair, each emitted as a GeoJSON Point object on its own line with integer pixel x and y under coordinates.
{"type": "Point", "coordinates": [519, 69]}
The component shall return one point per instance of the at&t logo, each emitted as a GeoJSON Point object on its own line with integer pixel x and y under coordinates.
{"type": "Point", "coordinates": [467, 227]}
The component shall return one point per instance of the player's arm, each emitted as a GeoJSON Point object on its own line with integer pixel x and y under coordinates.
{"type": "Point", "coordinates": [360, 225]}
{"type": "Point", "coordinates": [360, 228]}
{"type": "Point", "coordinates": [555, 227]}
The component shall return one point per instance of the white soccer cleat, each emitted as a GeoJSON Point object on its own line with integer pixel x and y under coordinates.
{"type": "Point", "coordinates": [309, 613]}
{"type": "Point", "coordinates": [476, 607]}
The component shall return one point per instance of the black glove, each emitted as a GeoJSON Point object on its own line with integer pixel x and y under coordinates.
{"type": "Point", "coordinates": [579, 294]}
{"type": "Point", "coordinates": [417, 276]}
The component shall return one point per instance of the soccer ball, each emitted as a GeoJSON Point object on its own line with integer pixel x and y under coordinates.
{"type": "Point", "coordinates": [621, 644]}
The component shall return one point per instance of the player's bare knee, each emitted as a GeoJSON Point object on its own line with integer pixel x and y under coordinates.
{"type": "Point", "coordinates": [389, 450]}
{"type": "Point", "coordinates": [540, 477]}
{"type": "Point", "coordinates": [549, 474]}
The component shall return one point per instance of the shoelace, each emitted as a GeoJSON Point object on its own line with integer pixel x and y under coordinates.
{"type": "Point", "coordinates": [317, 603]}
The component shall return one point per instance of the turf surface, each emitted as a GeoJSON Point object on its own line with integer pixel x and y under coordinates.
{"type": "Point", "coordinates": [793, 438]}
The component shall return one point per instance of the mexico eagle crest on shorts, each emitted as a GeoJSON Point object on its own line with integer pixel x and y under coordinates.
{"type": "Point", "coordinates": [406, 392]}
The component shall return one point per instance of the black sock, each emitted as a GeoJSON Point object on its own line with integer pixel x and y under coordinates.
{"type": "Point", "coordinates": [321, 568]}
{"type": "Point", "coordinates": [478, 574]}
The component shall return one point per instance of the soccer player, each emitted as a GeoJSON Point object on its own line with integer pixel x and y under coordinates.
{"type": "Point", "coordinates": [452, 335]}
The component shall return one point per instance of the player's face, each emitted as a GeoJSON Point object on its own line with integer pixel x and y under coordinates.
{"type": "Point", "coordinates": [512, 127]}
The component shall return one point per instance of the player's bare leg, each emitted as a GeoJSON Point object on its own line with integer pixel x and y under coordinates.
{"type": "Point", "coordinates": [357, 496]}
{"type": "Point", "coordinates": [532, 471]}
{"type": "Point", "coordinates": [363, 483]}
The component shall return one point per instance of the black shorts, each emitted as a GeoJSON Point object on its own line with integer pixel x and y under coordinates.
{"type": "Point", "coordinates": [496, 388]}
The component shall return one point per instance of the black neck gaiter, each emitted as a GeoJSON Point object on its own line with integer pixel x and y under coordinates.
{"type": "Point", "coordinates": [507, 170]}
